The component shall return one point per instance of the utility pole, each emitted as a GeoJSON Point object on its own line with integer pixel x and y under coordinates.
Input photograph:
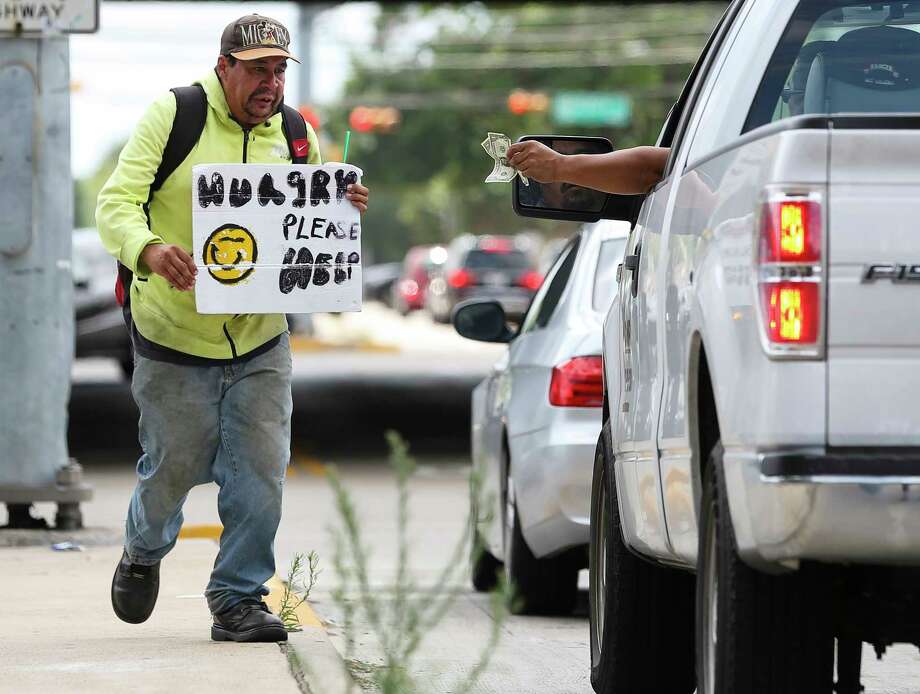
{"type": "Point", "coordinates": [36, 283]}
{"type": "Point", "coordinates": [306, 15]}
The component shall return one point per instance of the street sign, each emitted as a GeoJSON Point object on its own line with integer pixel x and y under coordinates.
{"type": "Point", "coordinates": [44, 17]}
{"type": "Point", "coordinates": [591, 108]}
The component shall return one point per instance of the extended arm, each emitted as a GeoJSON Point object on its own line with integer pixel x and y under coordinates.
{"type": "Point", "coordinates": [627, 172]}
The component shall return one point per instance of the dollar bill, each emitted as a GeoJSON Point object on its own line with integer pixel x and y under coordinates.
{"type": "Point", "coordinates": [501, 172]}
{"type": "Point", "coordinates": [500, 144]}
{"type": "Point", "coordinates": [496, 146]}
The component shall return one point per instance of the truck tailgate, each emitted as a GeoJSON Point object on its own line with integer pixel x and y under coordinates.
{"type": "Point", "coordinates": [873, 328]}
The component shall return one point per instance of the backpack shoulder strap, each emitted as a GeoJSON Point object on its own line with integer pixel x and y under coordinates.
{"type": "Point", "coordinates": [295, 131]}
{"type": "Point", "coordinates": [191, 112]}
{"type": "Point", "coordinates": [187, 126]}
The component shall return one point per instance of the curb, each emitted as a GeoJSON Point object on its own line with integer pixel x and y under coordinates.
{"type": "Point", "coordinates": [315, 662]}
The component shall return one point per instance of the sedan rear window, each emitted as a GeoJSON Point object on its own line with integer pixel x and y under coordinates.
{"type": "Point", "coordinates": [496, 260]}
{"type": "Point", "coordinates": [843, 57]}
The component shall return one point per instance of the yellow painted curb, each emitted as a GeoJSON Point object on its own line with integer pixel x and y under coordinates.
{"type": "Point", "coordinates": [304, 612]}
{"type": "Point", "coordinates": [200, 532]}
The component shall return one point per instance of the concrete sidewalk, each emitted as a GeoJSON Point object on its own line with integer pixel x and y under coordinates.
{"type": "Point", "coordinates": [58, 632]}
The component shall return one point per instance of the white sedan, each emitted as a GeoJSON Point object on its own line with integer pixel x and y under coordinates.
{"type": "Point", "coordinates": [535, 423]}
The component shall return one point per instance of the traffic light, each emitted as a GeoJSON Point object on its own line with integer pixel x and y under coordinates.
{"type": "Point", "coordinates": [310, 116]}
{"type": "Point", "coordinates": [365, 119]}
{"type": "Point", "coordinates": [521, 102]}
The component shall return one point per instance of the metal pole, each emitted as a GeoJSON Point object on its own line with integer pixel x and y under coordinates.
{"type": "Point", "coordinates": [36, 284]}
{"type": "Point", "coordinates": [306, 14]}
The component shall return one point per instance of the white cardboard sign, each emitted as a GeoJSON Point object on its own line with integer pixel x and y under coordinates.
{"type": "Point", "coordinates": [276, 238]}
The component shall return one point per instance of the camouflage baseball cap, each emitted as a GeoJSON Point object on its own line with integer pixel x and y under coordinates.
{"type": "Point", "coordinates": [254, 36]}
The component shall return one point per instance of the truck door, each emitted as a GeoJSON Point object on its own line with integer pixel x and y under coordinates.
{"type": "Point", "coordinates": [638, 456]}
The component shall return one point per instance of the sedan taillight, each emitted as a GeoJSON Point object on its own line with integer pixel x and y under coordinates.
{"type": "Point", "coordinates": [790, 274]}
{"type": "Point", "coordinates": [579, 382]}
{"type": "Point", "coordinates": [530, 280]}
{"type": "Point", "coordinates": [461, 278]}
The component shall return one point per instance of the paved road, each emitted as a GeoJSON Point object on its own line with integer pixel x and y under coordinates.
{"type": "Point", "coordinates": [420, 385]}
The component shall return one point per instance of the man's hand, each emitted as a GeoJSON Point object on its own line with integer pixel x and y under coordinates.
{"type": "Point", "coordinates": [535, 160]}
{"type": "Point", "coordinates": [358, 195]}
{"type": "Point", "coordinates": [171, 263]}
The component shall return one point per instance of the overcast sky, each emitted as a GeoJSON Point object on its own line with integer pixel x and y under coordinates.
{"type": "Point", "coordinates": [144, 48]}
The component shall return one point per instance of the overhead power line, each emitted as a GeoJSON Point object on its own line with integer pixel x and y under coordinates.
{"type": "Point", "coordinates": [542, 61]}
{"type": "Point", "coordinates": [473, 100]}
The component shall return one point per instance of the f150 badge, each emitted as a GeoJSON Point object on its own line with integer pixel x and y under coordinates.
{"type": "Point", "coordinates": [893, 272]}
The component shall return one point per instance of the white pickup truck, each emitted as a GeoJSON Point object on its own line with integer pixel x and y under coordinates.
{"type": "Point", "coordinates": [761, 361]}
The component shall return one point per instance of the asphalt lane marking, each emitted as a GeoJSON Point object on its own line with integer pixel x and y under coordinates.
{"type": "Point", "coordinates": [308, 464]}
{"type": "Point", "coordinates": [200, 532]}
{"type": "Point", "coordinates": [310, 344]}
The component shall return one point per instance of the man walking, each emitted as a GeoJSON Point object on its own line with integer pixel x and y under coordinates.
{"type": "Point", "coordinates": [214, 391]}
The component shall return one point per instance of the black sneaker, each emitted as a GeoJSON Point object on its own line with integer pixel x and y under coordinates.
{"type": "Point", "coordinates": [134, 590]}
{"type": "Point", "coordinates": [249, 621]}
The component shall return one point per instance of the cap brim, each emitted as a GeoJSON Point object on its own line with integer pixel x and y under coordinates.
{"type": "Point", "coordinates": [256, 53]}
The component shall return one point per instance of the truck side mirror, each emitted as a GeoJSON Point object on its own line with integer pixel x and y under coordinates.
{"type": "Point", "coordinates": [568, 202]}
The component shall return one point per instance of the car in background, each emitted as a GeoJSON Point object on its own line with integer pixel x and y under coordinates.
{"type": "Point", "coordinates": [484, 267]}
{"type": "Point", "coordinates": [410, 289]}
{"type": "Point", "coordinates": [378, 281]}
{"type": "Point", "coordinates": [99, 326]}
{"type": "Point", "coordinates": [535, 423]}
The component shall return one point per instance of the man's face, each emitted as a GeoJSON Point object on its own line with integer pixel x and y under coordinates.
{"type": "Point", "coordinates": [253, 88]}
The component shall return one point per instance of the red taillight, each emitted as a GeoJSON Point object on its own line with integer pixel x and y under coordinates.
{"type": "Point", "coordinates": [793, 312]}
{"type": "Point", "coordinates": [461, 278]}
{"type": "Point", "coordinates": [791, 232]}
{"type": "Point", "coordinates": [495, 245]}
{"type": "Point", "coordinates": [579, 382]}
{"type": "Point", "coordinates": [791, 275]}
{"type": "Point", "coordinates": [409, 288]}
{"type": "Point", "coordinates": [530, 280]}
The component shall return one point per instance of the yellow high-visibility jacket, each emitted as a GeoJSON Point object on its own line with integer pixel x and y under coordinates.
{"type": "Point", "coordinates": [164, 315]}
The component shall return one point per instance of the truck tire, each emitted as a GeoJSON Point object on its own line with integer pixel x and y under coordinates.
{"type": "Point", "coordinates": [547, 586]}
{"type": "Point", "coordinates": [640, 614]}
{"type": "Point", "coordinates": [484, 567]}
{"type": "Point", "coordinates": [772, 634]}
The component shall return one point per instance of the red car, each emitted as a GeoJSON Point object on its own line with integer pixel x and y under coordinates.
{"type": "Point", "coordinates": [409, 290]}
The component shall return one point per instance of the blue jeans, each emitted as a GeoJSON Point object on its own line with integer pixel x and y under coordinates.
{"type": "Point", "coordinates": [226, 424]}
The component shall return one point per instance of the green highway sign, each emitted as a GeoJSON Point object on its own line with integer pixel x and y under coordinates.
{"type": "Point", "coordinates": [591, 108]}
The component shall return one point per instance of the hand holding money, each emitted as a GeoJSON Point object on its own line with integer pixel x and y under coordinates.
{"type": "Point", "coordinates": [538, 161]}
{"type": "Point", "coordinates": [496, 146]}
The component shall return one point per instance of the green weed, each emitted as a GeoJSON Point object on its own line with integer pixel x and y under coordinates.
{"type": "Point", "coordinates": [401, 619]}
{"type": "Point", "coordinates": [297, 588]}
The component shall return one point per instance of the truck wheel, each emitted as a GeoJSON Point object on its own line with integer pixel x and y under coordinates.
{"type": "Point", "coordinates": [483, 566]}
{"type": "Point", "coordinates": [640, 614]}
{"type": "Point", "coordinates": [538, 586]}
{"type": "Point", "coordinates": [757, 633]}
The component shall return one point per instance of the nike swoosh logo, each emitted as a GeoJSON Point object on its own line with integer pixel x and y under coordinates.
{"type": "Point", "coordinates": [300, 149]}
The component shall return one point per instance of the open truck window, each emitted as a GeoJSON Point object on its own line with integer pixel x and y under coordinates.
{"type": "Point", "coordinates": [843, 57]}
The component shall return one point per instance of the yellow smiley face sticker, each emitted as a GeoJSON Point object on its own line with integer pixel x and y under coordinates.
{"type": "Point", "coordinates": [230, 254]}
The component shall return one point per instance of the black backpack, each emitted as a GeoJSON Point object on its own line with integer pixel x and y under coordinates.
{"type": "Point", "coordinates": [188, 124]}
